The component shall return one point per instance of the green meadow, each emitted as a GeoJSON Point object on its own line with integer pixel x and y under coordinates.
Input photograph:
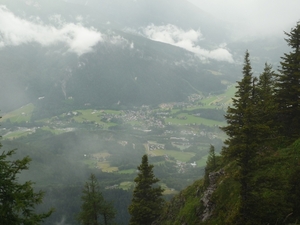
{"type": "Point", "coordinates": [105, 167]}
{"type": "Point", "coordinates": [178, 155]}
{"type": "Point", "coordinates": [129, 171]}
{"type": "Point", "coordinates": [22, 114]}
{"type": "Point", "coordinates": [126, 185]}
{"type": "Point", "coordinates": [186, 119]}
{"type": "Point", "coordinates": [202, 161]}
{"type": "Point", "coordinates": [18, 133]}
{"type": "Point", "coordinates": [216, 101]}
{"type": "Point", "coordinates": [90, 115]}
{"type": "Point", "coordinates": [167, 190]}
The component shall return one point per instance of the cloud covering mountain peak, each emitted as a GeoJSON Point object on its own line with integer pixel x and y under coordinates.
{"type": "Point", "coordinates": [188, 40]}
{"type": "Point", "coordinates": [16, 31]}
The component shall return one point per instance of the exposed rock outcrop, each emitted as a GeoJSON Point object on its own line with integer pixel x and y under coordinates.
{"type": "Point", "coordinates": [206, 199]}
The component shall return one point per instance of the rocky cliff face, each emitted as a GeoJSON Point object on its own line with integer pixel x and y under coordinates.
{"type": "Point", "coordinates": [206, 200]}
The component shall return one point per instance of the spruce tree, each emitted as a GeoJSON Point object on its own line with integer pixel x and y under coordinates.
{"type": "Point", "coordinates": [288, 88]}
{"type": "Point", "coordinates": [147, 200]}
{"type": "Point", "coordinates": [211, 160]}
{"type": "Point", "coordinates": [266, 109]}
{"type": "Point", "coordinates": [238, 115]}
{"type": "Point", "coordinates": [18, 201]}
{"type": "Point", "coordinates": [210, 165]}
{"type": "Point", "coordinates": [94, 208]}
{"type": "Point", "coordinates": [244, 130]}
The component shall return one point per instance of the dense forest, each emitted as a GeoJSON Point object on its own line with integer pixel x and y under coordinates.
{"type": "Point", "coordinates": [255, 180]}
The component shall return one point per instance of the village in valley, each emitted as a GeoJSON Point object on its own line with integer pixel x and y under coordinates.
{"type": "Point", "coordinates": [176, 136]}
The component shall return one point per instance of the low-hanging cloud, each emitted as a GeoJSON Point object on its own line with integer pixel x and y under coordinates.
{"type": "Point", "coordinates": [188, 40]}
{"type": "Point", "coordinates": [16, 31]}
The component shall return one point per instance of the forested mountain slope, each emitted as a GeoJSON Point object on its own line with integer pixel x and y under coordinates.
{"type": "Point", "coordinates": [215, 199]}
{"type": "Point", "coordinates": [256, 178]}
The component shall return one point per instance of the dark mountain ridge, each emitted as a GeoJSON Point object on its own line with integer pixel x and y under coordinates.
{"type": "Point", "coordinates": [134, 72]}
{"type": "Point", "coordinates": [138, 71]}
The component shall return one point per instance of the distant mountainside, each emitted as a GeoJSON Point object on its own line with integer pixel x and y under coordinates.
{"type": "Point", "coordinates": [133, 63]}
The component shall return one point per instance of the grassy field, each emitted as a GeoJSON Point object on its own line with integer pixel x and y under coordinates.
{"type": "Point", "coordinates": [105, 167]}
{"type": "Point", "coordinates": [185, 119]}
{"type": "Point", "coordinates": [90, 115]}
{"type": "Point", "coordinates": [167, 190]}
{"type": "Point", "coordinates": [202, 161]}
{"type": "Point", "coordinates": [108, 111]}
{"type": "Point", "coordinates": [178, 155]}
{"type": "Point", "coordinates": [18, 133]}
{"type": "Point", "coordinates": [101, 155]}
{"type": "Point", "coordinates": [126, 185]}
{"type": "Point", "coordinates": [99, 161]}
{"type": "Point", "coordinates": [223, 100]}
{"type": "Point", "coordinates": [22, 114]}
{"type": "Point", "coordinates": [129, 171]}
{"type": "Point", "coordinates": [56, 131]}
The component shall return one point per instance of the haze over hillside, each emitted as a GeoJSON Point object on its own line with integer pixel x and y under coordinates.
{"type": "Point", "coordinates": [90, 86]}
{"type": "Point", "coordinates": [116, 52]}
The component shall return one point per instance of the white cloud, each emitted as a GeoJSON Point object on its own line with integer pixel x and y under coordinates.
{"type": "Point", "coordinates": [254, 18]}
{"type": "Point", "coordinates": [187, 40]}
{"type": "Point", "coordinates": [17, 31]}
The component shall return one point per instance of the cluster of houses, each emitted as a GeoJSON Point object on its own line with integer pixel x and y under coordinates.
{"type": "Point", "coordinates": [195, 97]}
{"type": "Point", "coordinates": [182, 166]}
{"type": "Point", "coordinates": [155, 146]}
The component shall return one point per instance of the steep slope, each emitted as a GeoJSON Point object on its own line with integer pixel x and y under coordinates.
{"type": "Point", "coordinates": [125, 68]}
{"type": "Point", "coordinates": [217, 203]}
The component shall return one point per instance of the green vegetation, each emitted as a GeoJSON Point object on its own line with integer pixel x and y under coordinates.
{"type": "Point", "coordinates": [183, 207]}
{"type": "Point", "coordinates": [22, 114]}
{"type": "Point", "coordinates": [18, 133]}
{"type": "Point", "coordinates": [255, 181]}
{"type": "Point", "coordinates": [127, 185]}
{"type": "Point", "coordinates": [105, 167]}
{"type": "Point", "coordinates": [178, 155]}
{"type": "Point", "coordinates": [18, 201]}
{"type": "Point", "coordinates": [146, 202]}
{"type": "Point", "coordinates": [94, 208]}
{"type": "Point", "coordinates": [129, 171]}
{"type": "Point", "coordinates": [287, 88]}
{"type": "Point", "coordinates": [249, 183]}
{"type": "Point", "coordinates": [202, 161]}
{"type": "Point", "coordinates": [185, 119]}
{"type": "Point", "coordinates": [221, 100]}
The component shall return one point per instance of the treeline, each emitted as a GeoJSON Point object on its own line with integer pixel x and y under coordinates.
{"type": "Point", "coordinates": [264, 116]}
{"type": "Point", "coordinates": [256, 180]}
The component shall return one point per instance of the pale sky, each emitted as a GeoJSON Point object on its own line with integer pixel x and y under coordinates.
{"type": "Point", "coordinates": [248, 19]}
{"type": "Point", "coordinates": [255, 17]}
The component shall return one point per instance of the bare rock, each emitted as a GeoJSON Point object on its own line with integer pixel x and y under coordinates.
{"type": "Point", "coordinates": [206, 199]}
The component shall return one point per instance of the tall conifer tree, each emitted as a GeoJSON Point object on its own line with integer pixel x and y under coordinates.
{"type": "Point", "coordinates": [243, 141]}
{"type": "Point", "coordinates": [237, 115]}
{"type": "Point", "coordinates": [18, 201]}
{"type": "Point", "coordinates": [266, 109]}
{"type": "Point", "coordinates": [211, 160]}
{"type": "Point", "coordinates": [94, 208]}
{"type": "Point", "coordinates": [147, 200]}
{"type": "Point", "coordinates": [288, 88]}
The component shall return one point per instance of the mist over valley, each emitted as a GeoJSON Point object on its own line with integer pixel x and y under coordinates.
{"type": "Point", "coordinates": [91, 86]}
